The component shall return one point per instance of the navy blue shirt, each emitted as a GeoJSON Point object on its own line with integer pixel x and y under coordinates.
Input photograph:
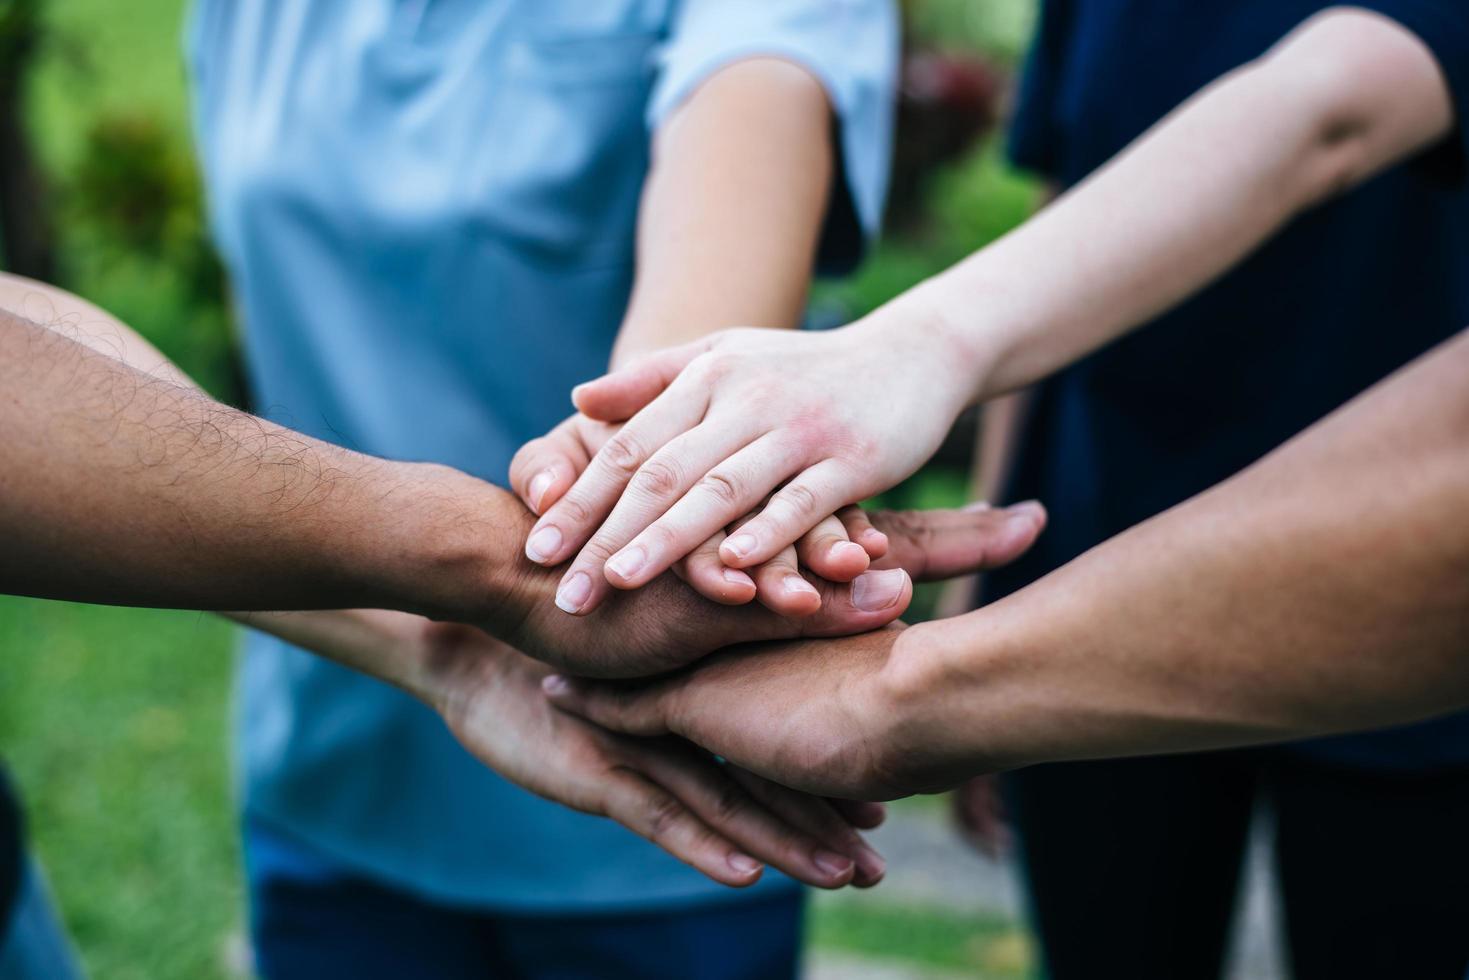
{"type": "Point", "coordinates": [1339, 299]}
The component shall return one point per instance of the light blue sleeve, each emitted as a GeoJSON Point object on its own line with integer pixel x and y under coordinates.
{"type": "Point", "coordinates": [851, 46]}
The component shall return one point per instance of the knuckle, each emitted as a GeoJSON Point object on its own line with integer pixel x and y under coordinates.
{"type": "Point", "coordinates": [657, 478]}
{"type": "Point", "coordinates": [573, 508]}
{"type": "Point", "coordinates": [723, 487]}
{"type": "Point", "coordinates": [799, 500]}
{"type": "Point", "coordinates": [661, 815]}
{"type": "Point", "coordinates": [730, 802]}
{"type": "Point", "coordinates": [659, 540]}
{"type": "Point", "coordinates": [623, 454]}
{"type": "Point", "coordinates": [599, 549]}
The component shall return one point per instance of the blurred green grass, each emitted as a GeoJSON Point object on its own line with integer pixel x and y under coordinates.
{"type": "Point", "coordinates": [115, 720]}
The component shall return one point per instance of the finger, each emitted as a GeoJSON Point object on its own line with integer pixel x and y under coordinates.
{"type": "Point", "coordinates": [818, 818]}
{"type": "Point", "coordinates": [938, 544]}
{"type": "Point", "coordinates": [650, 811]}
{"type": "Point", "coordinates": [544, 468]}
{"type": "Point", "coordinates": [573, 518]}
{"type": "Point", "coordinates": [870, 601]}
{"type": "Point", "coordinates": [860, 813]}
{"type": "Point", "coordinates": [653, 530]}
{"type": "Point", "coordinates": [633, 709]}
{"type": "Point", "coordinates": [570, 521]}
{"type": "Point", "coordinates": [803, 849]}
{"type": "Point", "coordinates": [826, 550]}
{"type": "Point", "coordinates": [782, 589]}
{"type": "Point", "coordinates": [793, 510]}
{"type": "Point", "coordinates": [859, 529]}
{"type": "Point", "coordinates": [620, 394]}
{"type": "Point", "coordinates": [703, 570]}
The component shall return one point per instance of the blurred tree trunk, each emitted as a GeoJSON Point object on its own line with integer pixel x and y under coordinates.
{"type": "Point", "coordinates": [26, 233]}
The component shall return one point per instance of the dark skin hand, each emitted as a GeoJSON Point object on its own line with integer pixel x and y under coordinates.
{"type": "Point", "coordinates": [666, 625]}
{"type": "Point", "coordinates": [813, 715]}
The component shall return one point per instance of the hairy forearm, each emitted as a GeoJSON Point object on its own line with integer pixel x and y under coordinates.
{"type": "Point", "coordinates": [1324, 589]}
{"type": "Point", "coordinates": [733, 207]}
{"type": "Point", "coordinates": [1346, 95]}
{"type": "Point", "coordinates": [128, 486]}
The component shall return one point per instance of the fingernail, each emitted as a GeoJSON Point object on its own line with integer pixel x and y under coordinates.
{"type": "Point", "coordinates": [577, 390]}
{"type": "Point", "coordinates": [543, 544]}
{"type": "Point", "coordinates": [875, 591]}
{"type": "Point", "coordinates": [574, 593]}
{"type": "Point", "coordinates": [848, 547]}
{"type": "Point", "coordinates": [740, 545]}
{"type": "Point", "coordinates": [1028, 509]}
{"type": "Point", "coordinates": [626, 564]}
{"type": "Point", "coordinates": [977, 506]}
{"type": "Point", "coordinates": [832, 863]}
{"type": "Point", "coordinates": [539, 484]}
{"type": "Point", "coordinates": [736, 577]}
{"type": "Point", "coordinates": [554, 684]}
{"type": "Point", "coordinates": [743, 863]}
{"type": "Point", "coordinates": [795, 583]}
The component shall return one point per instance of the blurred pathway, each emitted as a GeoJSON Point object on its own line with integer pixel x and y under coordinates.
{"type": "Point", "coordinates": [930, 869]}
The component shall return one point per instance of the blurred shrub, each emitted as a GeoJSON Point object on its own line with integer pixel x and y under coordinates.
{"type": "Point", "coordinates": [137, 241]}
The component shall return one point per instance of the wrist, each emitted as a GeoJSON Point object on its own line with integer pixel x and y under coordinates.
{"type": "Point", "coordinates": [455, 549]}
{"type": "Point", "coordinates": [949, 362]}
{"type": "Point", "coordinates": [947, 683]}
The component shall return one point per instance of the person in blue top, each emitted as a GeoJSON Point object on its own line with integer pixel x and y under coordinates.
{"type": "Point", "coordinates": [437, 217]}
{"type": "Point", "coordinates": [1275, 189]}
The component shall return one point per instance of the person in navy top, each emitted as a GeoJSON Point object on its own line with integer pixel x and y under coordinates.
{"type": "Point", "coordinates": [1292, 234]}
{"type": "Point", "coordinates": [1135, 863]}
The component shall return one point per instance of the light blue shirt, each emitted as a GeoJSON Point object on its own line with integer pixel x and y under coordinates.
{"type": "Point", "coordinates": [427, 212]}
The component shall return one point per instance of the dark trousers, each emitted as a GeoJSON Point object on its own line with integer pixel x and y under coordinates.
{"type": "Point", "coordinates": [308, 923]}
{"type": "Point", "coordinates": [1133, 865]}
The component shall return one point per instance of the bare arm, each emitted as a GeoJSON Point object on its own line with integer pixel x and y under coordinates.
{"type": "Point", "coordinates": [829, 419]}
{"type": "Point", "coordinates": [131, 486]}
{"type": "Point", "coordinates": [727, 234]}
{"type": "Point", "coordinates": [1344, 96]}
{"type": "Point", "coordinates": [1324, 589]}
{"type": "Point", "coordinates": [733, 207]}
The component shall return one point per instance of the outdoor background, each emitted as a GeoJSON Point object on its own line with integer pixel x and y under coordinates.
{"type": "Point", "coordinates": [115, 721]}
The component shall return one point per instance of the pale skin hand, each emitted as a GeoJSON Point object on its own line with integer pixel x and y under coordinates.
{"type": "Point", "coordinates": [727, 823]}
{"type": "Point", "coordinates": [1324, 589]}
{"type": "Point", "coordinates": [931, 545]}
{"type": "Point", "coordinates": [825, 420]}
{"type": "Point", "coordinates": [727, 234]}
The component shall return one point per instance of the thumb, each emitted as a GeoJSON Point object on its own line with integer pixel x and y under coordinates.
{"type": "Point", "coordinates": [939, 544]}
{"type": "Point", "coordinates": [618, 395]}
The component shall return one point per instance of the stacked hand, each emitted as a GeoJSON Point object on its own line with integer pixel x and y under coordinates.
{"type": "Point", "coordinates": [668, 623]}
{"type": "Point", "coordinates": [718, 818]}
{"type": "Point", "coordinates": [743, 421]}
{"type": "Point", "coordinates": [836, 718]}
